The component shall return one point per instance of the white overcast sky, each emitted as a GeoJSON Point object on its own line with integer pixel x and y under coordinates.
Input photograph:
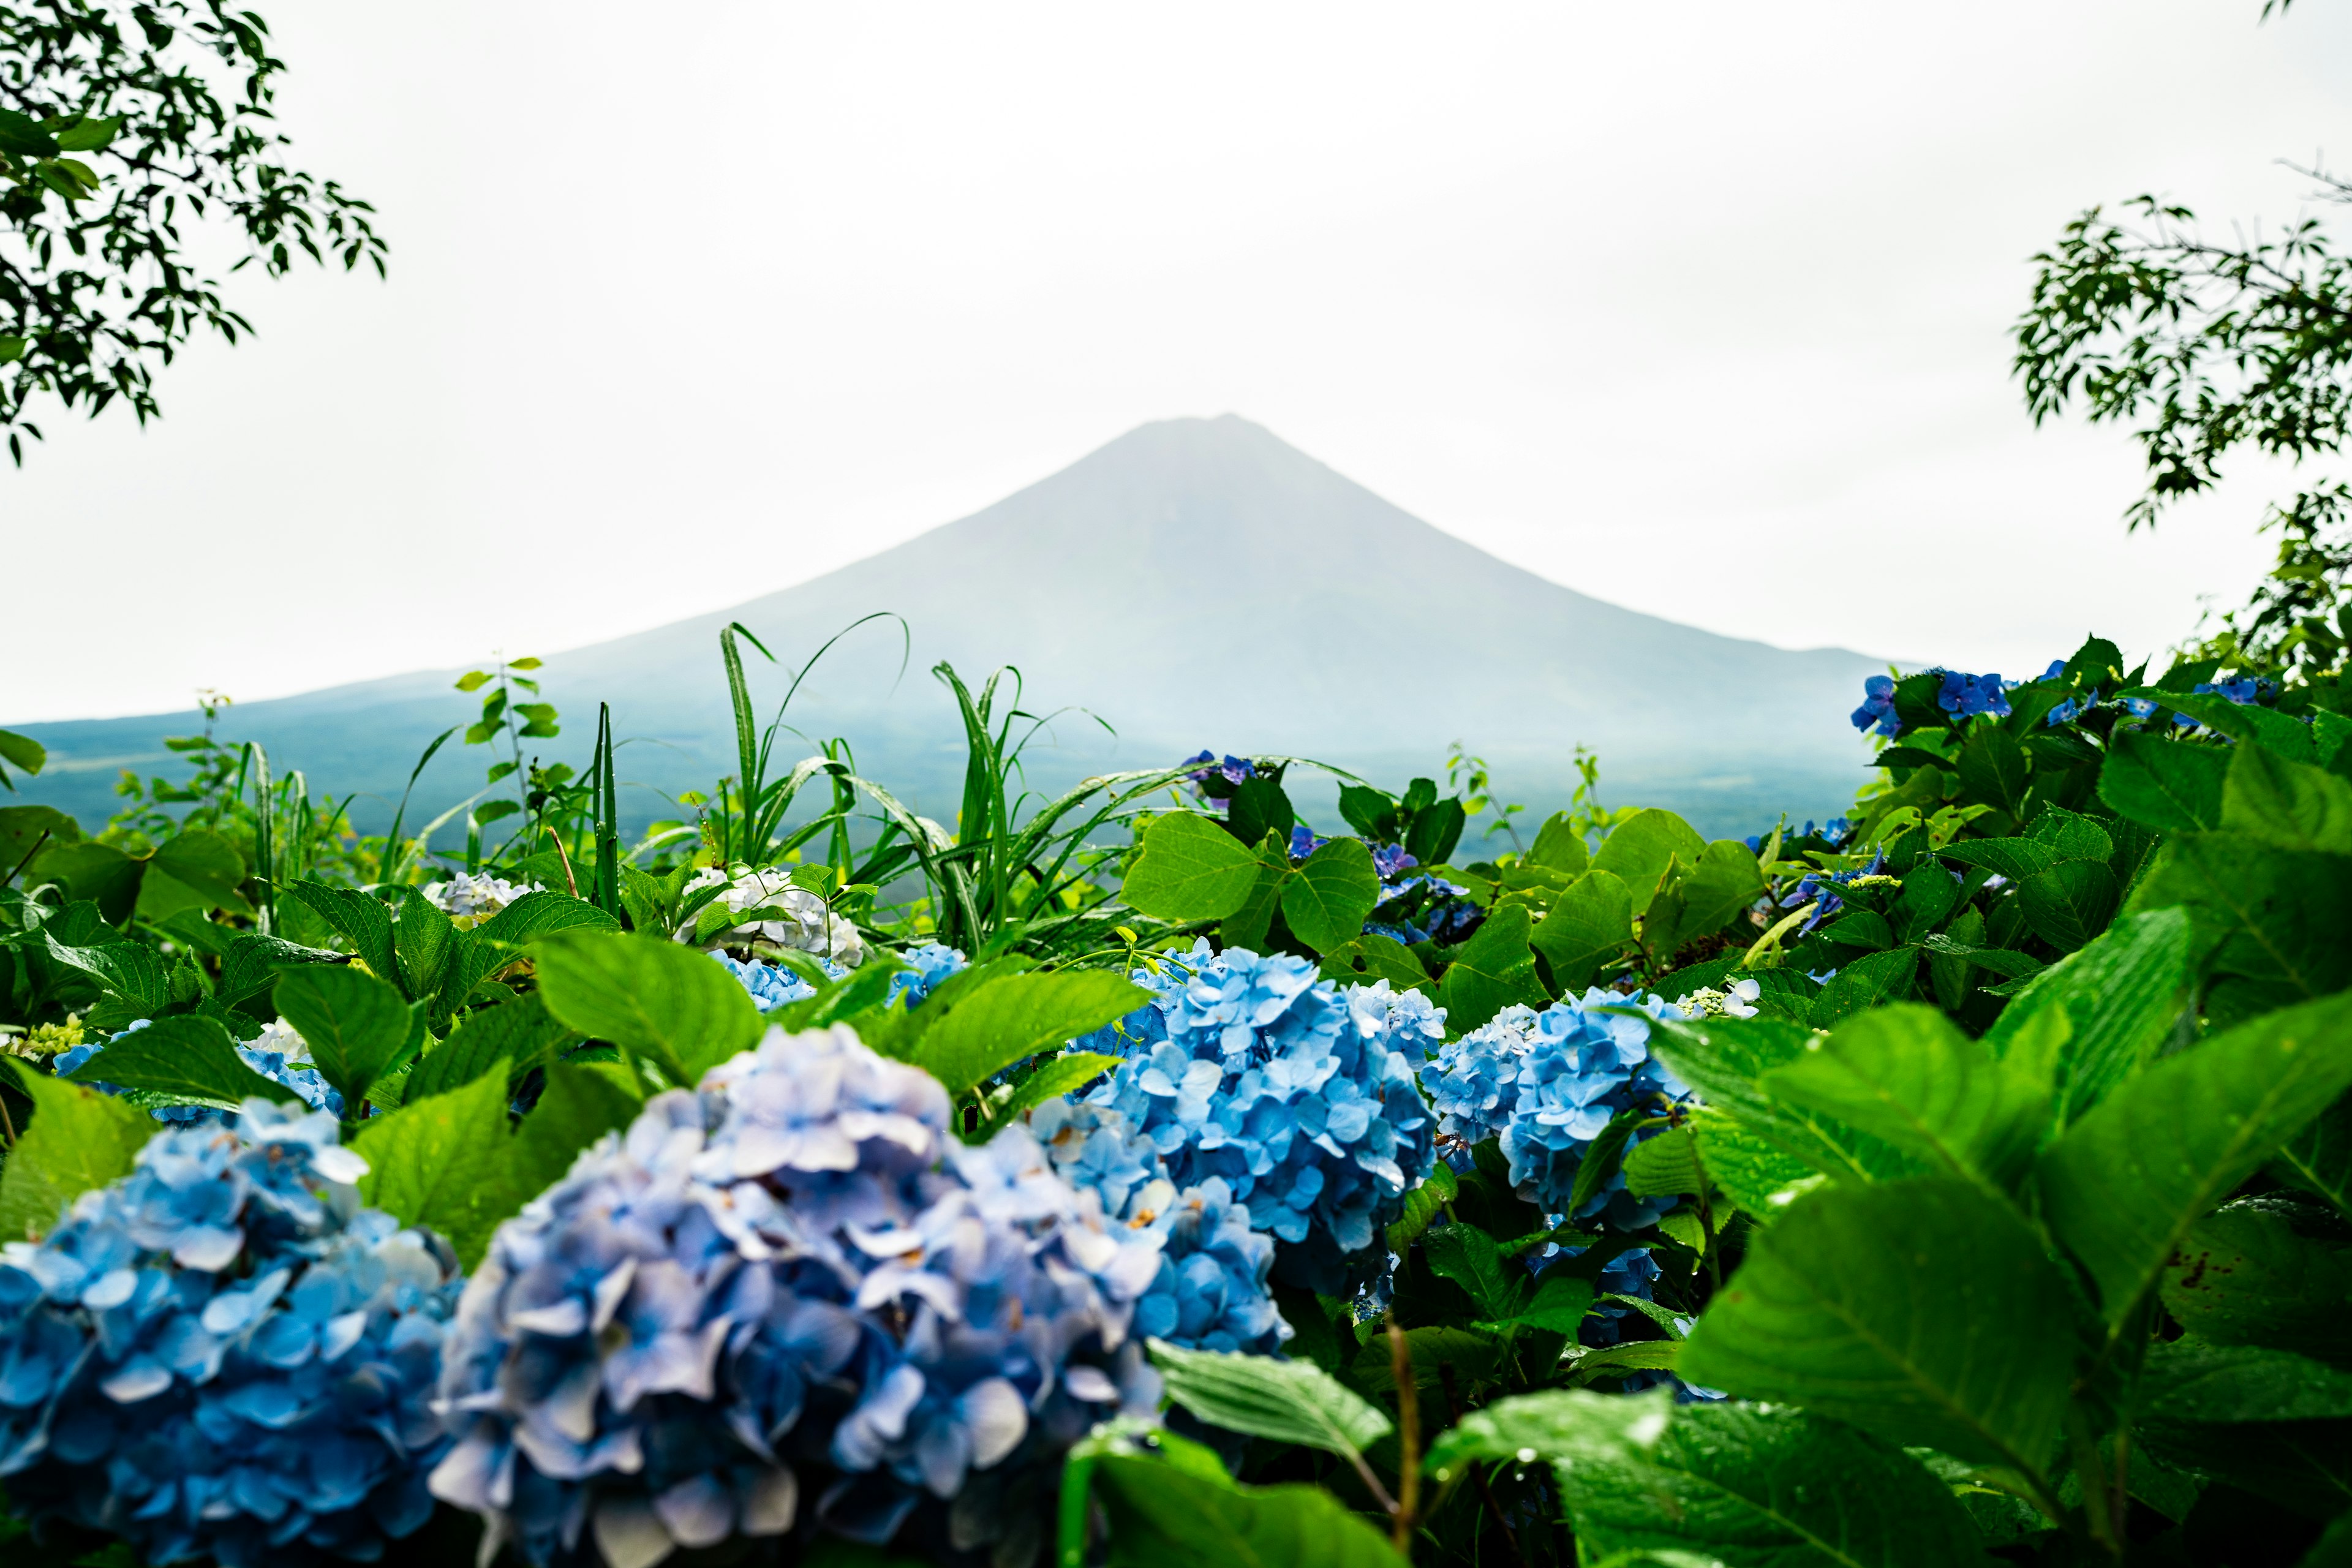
{"type": "Point", "coordinates": [1699, 307]}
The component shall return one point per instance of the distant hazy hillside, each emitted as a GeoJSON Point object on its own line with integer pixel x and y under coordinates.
{"type": "Point", "coordinates": [1196, 583]}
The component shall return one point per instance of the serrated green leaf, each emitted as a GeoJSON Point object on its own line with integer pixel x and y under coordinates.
{"type": "Point", "coordinates": [189, 1058]}
{"type": "Point", "coordinates": [2167, 785]}
{"type": "Point", "coordinates": [1904, 1075]}
{"type": "Point", "coordinates": [1493, 970]}
{"type": "Point", "coordinates": [1013, 1019]}
{"type": "Point", "coordinates": [75, 1140]}
{"type": "Point", "coordinates": [356, 1026]}
{"type": "Point", "coordinates": [2266, 1270]}
{"type": "Point", "coordinates": [2120, 996]}
{"type": "Point", "coordinates": [1639, 849]}
{"type": "Point", "coordinates": [2125, 1184]}
{"type": "Point", "coordinates": [667, 1002]}
{"type": "Point", "coordinates": [1164, 1517]}
{"type": "Point", "coordinates": [1282, 1401]}
{"type": "Point", "coordinates": [432, 1162]}
{"type": "Point", "coordinates": [1586, 926]}
{"type": "Point", "coordinates": [359, 919]}
{"type": "Point", "coordinates": [1924, 1311]}
{"type": "Point", "coordinates": [521, 1033]}
{"type": "Point", "coordinates": [2292, 804]}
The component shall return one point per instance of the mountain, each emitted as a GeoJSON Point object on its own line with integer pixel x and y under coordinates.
{"type": "Point", "coordinates": [1196, 583]}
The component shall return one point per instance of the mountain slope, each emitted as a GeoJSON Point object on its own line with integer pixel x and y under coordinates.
{"type": "Point", "coordinates": [1196, 583]}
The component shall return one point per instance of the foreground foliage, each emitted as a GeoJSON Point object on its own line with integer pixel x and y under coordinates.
{"type": "Point", "coordinates": [1966, 1176]}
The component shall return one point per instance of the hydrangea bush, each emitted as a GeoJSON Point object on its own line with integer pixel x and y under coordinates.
{"type": "Point", "coordinates": [224, 1355]}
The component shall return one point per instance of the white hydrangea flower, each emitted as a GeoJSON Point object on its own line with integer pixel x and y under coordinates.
{"type": "Point", "coordinates": [466, 898]}
{"type": "Point", "coordinates": [1736, 1000]}
{"type": "Point", "coordinates": [794, 916]}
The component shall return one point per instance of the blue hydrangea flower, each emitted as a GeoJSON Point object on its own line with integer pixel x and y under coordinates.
{"type": "Point", "coordinates": [1546, 1084]}
{"type": "Point", "coordinates": [930, 964]}
{"type": "Point", "coordinates": [1304, 842]}
{"type": "Point", "coordinates": [2139, 707]}
{"type": "Point", "coordinates": [1877, 707]}
{"type": "Point", "coordinates": [223, 1354]}
{"type": "Point", "coordinates": [1211, 1290]}
{"type": "Point", "coordinates": [784, 1290]}
{"type": "Point", "coordinates": [2242, 692]}
{"type": "Point", "coordinates": [1970, 695]}
{"type": "Point", "coordinates": [1300, 1096]}
{"type": "Point", "coordinates": [277, 1054]}
{"type": "Point", "coordinates": [2065, 712]}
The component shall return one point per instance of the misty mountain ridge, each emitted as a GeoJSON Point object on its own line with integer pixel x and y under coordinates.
{"type": "Point", "coordinates": [1194, 583]}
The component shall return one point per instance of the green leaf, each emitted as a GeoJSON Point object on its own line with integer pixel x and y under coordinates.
{"type": "Point", "coordinates": [87, 870]}
{"type": "Point", "coordinates": [421, 941]}
{"type": "Point", "coordinates": [1065, 1074]}
{"type": "Point", "coordinates": [2120, 996]}
{"type": "Point", "coordinates": [1639, 849]}
{"type": "Point", "coordinates": [1372, 958]}
{"type": "Point", "coordinates": [1329, 897]}
{"type": "Point", "coordinates": [1491, 971]}
{"type": "Point", "coordinates": [2015, 859]}
{"type": "Point", "coordinates": [1924, 1311]}
{"type": "Point", "coordinates": [187, 1057]}
{"type": "Point", "coordinates": [22, 828]}
{"type": "Point", "coordinates": [88, 135]}
{"type": "Point", "coordinates": [76, 1139]}
{"type": "Point", "coordinates": [2170, 786]}
{"type": "Point", "coordinates": [1422, 1205]}
{"type": "Point", "coordinates": [358, 918]}
{"type": "Point", "coordinates": [1743, 1486]}
{"type": "Point", "coordinates": [2125, 1184]}
{"type": "Point", "coordinates": [431, 1163]}
{"type": "Point", "coordinates": [2188, 1382]}
{"type": "Point", "coordinates": [1724, 880]}
{"type": "Point", "coordinates": [1247, 926]}
{"type": "Point", "coordinates": [1014, 1018]}
{"type": "Point", "coordinates": [2292, 804]}
{"type": "Point", "coordinates": [1665, 1165]}
{"type": "Point", "coordinates": [357, 1026]}
{"type": "Point", "coordinates": [2268, 1421]}
{"type": "Point", "coordinates": [2274, 921]}
{"type": "Point", "coordinates": [251, 965]}
{"type": "Point", "coordinates": [1467, 1256]}
{"type": "Point", "coordinates": [2070, 903]}
{"type": "Point", "coordinates": [541, 913]}
{"type": "Point", "coordinates": [2070, 836]}
{"type": "Point", "coordinates": [1567, 1428]}
{"type": "Point", "coordinates": [195, 868]}
{"type": "Point", "coordinates": [2319, 1157]}
{"type": "Point", "coordinates": [1189, 868]}
{"type": "Point", "coordinates": [23, 135]}
{"type": "Point", "coordinates": [1162, 1516]}
{"type": "Point", "coordinates": [521, 1033]}
{"type": "Point", "coordinates": [2265, 1270]}
{"type": "Point", "coordinates": [1287, 1402]}
{"type": "Point", "coordinates": [1906, 1075]}
{"type": "Point", "coordinates": [1726, 1059]}
{"type": "Point", "coordinates": [1475, 1355]}
{"type": "Point", "coordinates": [1993, 767]}
{"type": "Point", "coordinates": [1558, 1306]}
{"type": "Point", "coordinates": [665, 1002]}
{"type": "Point", "coordinates": [1588, 925]}
{"type": "Point", "coordinates": [1864, 983]}
{"type": "Point", "coordinates": [1559, 847]}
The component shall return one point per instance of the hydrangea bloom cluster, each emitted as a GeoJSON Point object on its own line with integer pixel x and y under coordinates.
{"type": "Point", "coordinates": [1546, 1084]}
{"type": "Point", "coordinates": [1737, 1000]}
{"type": "Point", "coordinates": [1207, 765]}
{"type": "Point", "coordinates": [792, 916]}
{"type": "Point", "coordinates": [223, 1354]}
{"type": "Point", "coordinates": [1970, 695]}
{"type": "Point", "coordinates": [790, 1272]}
{"type": "Point", "coordinates": [1299, 1096]}
{"type": "Point", "coordinates": [1833, 832]}
{"type": "Point", "coordinates": [1211, 1290]}
{"type": "Point", "coordinates": [1878, 706]}
{"type": "Point", "coordinates": [927, 966]}
{"type": "Point", "coordinates": [467, 898]}
{"type": "Point", "coordinates": [277, 1054]}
